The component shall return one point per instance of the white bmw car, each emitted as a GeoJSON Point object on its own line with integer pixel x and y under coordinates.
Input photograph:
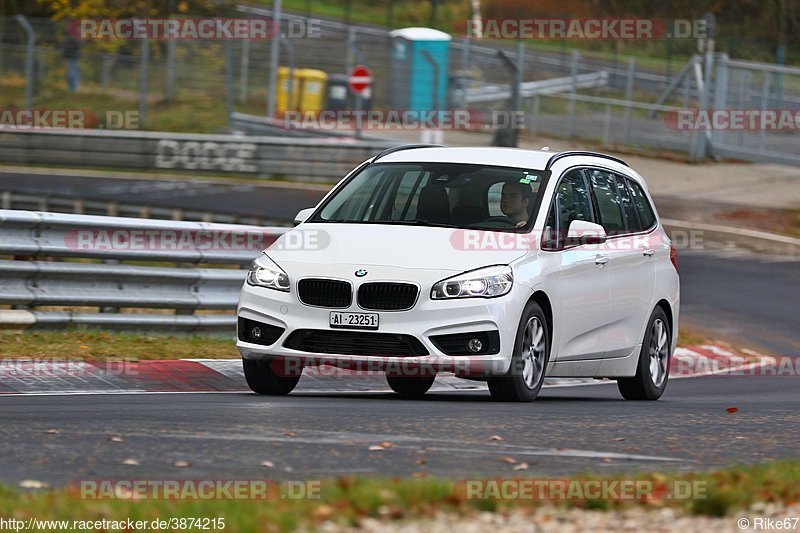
{"type": "Point", "coordinates": [496, 264]}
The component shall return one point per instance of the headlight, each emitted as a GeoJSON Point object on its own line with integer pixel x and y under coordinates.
{"type": "Point", "coordinates": [268, 275]}
{"type": "Point", "coordinates": [482, 283]}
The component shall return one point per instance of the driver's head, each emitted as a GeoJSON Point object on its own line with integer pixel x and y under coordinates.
{"type": "Point", "coordinates": [515, 199]}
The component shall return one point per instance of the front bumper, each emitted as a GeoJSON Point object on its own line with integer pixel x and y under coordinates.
{"type": "Point", "coordinates": [426, 319]}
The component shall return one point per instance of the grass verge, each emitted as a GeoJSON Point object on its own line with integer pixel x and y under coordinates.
{"type": "Point", "coordinates": [349, 500]}
{"type": "Point", "coordinates": [98, 345]}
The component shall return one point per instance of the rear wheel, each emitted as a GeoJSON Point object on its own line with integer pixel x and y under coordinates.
{"type": "Point", "coordinates": [652, 372]}
{"type": "Point", "coordinates": [262, 378]}
{"type": "Point", "coordinates": [525, 377]}
{"type": "Point", "coordinates": [410, 387]}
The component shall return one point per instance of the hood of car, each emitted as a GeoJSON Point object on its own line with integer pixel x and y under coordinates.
{"type": "Point", "coordinates": [414, 247]}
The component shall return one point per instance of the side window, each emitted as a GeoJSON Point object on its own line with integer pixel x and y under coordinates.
{"type": "Point", "coordinates": [608, 202]}
{"type": "Point", "coordinates": [646, 214]}
{"type": "Point", "coordinates": [627, 206]}
{"type": "Point", "coordinates": [571, 202]}
{"type": "Point", "coordinates": [572, 197]}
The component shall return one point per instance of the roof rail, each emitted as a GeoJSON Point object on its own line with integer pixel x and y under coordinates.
{"type": "Point", "coordinates": [394, 149]}
{"type": "Point", "coordinates": [560, 155]}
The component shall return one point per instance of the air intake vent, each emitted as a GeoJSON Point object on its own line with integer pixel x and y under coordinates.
{"type": "Point", "coordinates": [325, 293]}
{"type": "Point", "coordinates": [387, 296]}
{"type": "Point", "coordinates": [355, 343]}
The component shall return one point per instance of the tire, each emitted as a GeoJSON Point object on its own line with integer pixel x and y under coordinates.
{"type": "Point", "coordinates": [654, 358]}
{"type": "Point", "coordinates": [262, 379]}
{"type": "Point", "coordinates": [525, 376]}
{"type": "Point", "coordinates": [410, 387]}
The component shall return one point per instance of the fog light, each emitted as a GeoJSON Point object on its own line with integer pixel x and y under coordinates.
{"type": "Point", "coordinates": [474, 345]}
{"type": "Point", "coordinates": [256, 333]}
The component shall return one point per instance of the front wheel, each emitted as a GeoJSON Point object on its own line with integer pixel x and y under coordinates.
{"type": "Point", "coordinates": [652, 372]}
{"type": "Point", "coordinates": [525, 377]}
{"type": "Point", "coordinates": [410, 387]}
{"type": "Point", "coordinates": [262, 378]}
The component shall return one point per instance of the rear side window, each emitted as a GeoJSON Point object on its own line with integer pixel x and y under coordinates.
{"type": "Point", "coordinates": [646, 214]}
{"type": "Point", "coordinates": [572, 202]}
{"type": "Point", "coordinates": [608, 202]}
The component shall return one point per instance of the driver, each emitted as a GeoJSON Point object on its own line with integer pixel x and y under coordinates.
{"type": "Point", "coordinates": [515, 199]}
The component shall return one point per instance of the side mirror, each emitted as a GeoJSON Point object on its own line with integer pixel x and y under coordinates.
{"type": "Point", "coordinates": [582, 232]}
{"type": "Point", "coordinates": [303, 215]}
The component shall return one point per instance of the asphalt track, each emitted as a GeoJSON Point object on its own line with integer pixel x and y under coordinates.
{"type": "Point", "coordinates": [748, 297]}
{"type": "Point", "coordinates": [310, 435]}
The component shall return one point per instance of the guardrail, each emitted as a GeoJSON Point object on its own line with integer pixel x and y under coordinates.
{"type": "Point", "coordinates": [74, 261]}
{"type": "Point", "coordinates": [300, 158]}
{"type": "Point", "coordinates": [259, 125]}
{"type": "Point", "coordinates": [81, 206]}
{"type": "Point", "coordinates": [494, 93]}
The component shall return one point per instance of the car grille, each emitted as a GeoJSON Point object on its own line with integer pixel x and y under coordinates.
{"type": "Point", "coordinates": [325, 292]}
{"type": "Point", "coordinates": [387, 296]}
{"type": "Point", "coordinates": [354, 343]}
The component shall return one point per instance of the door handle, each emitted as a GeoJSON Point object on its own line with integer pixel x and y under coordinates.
{"type": "Point", "coordinates": [648, 252]}
{"type": "Point", "coordinates": [600, 260]}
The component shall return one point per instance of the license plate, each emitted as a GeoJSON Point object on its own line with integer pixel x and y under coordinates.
{"type": "Point", "coordinates": [354, 320]}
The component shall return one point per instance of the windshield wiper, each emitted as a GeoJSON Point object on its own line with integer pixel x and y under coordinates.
{"type": "Point", "coordinates": [391, 222]}
{"type": "Point", "coordinates": [421, 222]}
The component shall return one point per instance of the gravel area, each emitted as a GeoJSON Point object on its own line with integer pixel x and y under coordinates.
{"type": "Point", "coordinates": [554, 519]}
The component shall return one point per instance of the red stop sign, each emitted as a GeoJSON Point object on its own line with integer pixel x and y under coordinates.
{"type": "Point", "coordinates": [360, 79]}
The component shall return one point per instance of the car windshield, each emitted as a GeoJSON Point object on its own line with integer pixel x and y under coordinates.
{"type": "Point", "coordinates": [438, 194]}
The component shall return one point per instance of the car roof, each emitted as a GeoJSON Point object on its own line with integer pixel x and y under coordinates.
{"type": "Point", "coordinates": [507, 157]}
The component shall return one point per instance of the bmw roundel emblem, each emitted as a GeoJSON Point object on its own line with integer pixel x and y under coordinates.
{"type": "Point", "coordinates": [360, 273]}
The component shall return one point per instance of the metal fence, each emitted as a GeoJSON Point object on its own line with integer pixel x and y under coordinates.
{"type": "Point", "coordinates": [745, 85]}
{"type": "Point", "coordinates": [59, 270]}
{"type": "Point", "coordinates": [611, 123]}
{"type": "Point", "coordinates": [624, 111]}
{"type": "Point", "coordinates": [142, 74]}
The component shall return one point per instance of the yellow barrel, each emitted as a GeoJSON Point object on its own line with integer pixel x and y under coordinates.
{"type": "Point", "coordinates": [282, 103]}
{"type": "Point", "coordinates": [312, 94]}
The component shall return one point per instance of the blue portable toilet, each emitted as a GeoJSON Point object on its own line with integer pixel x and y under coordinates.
{"type": "Point", "coordinates": [416, 85]}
